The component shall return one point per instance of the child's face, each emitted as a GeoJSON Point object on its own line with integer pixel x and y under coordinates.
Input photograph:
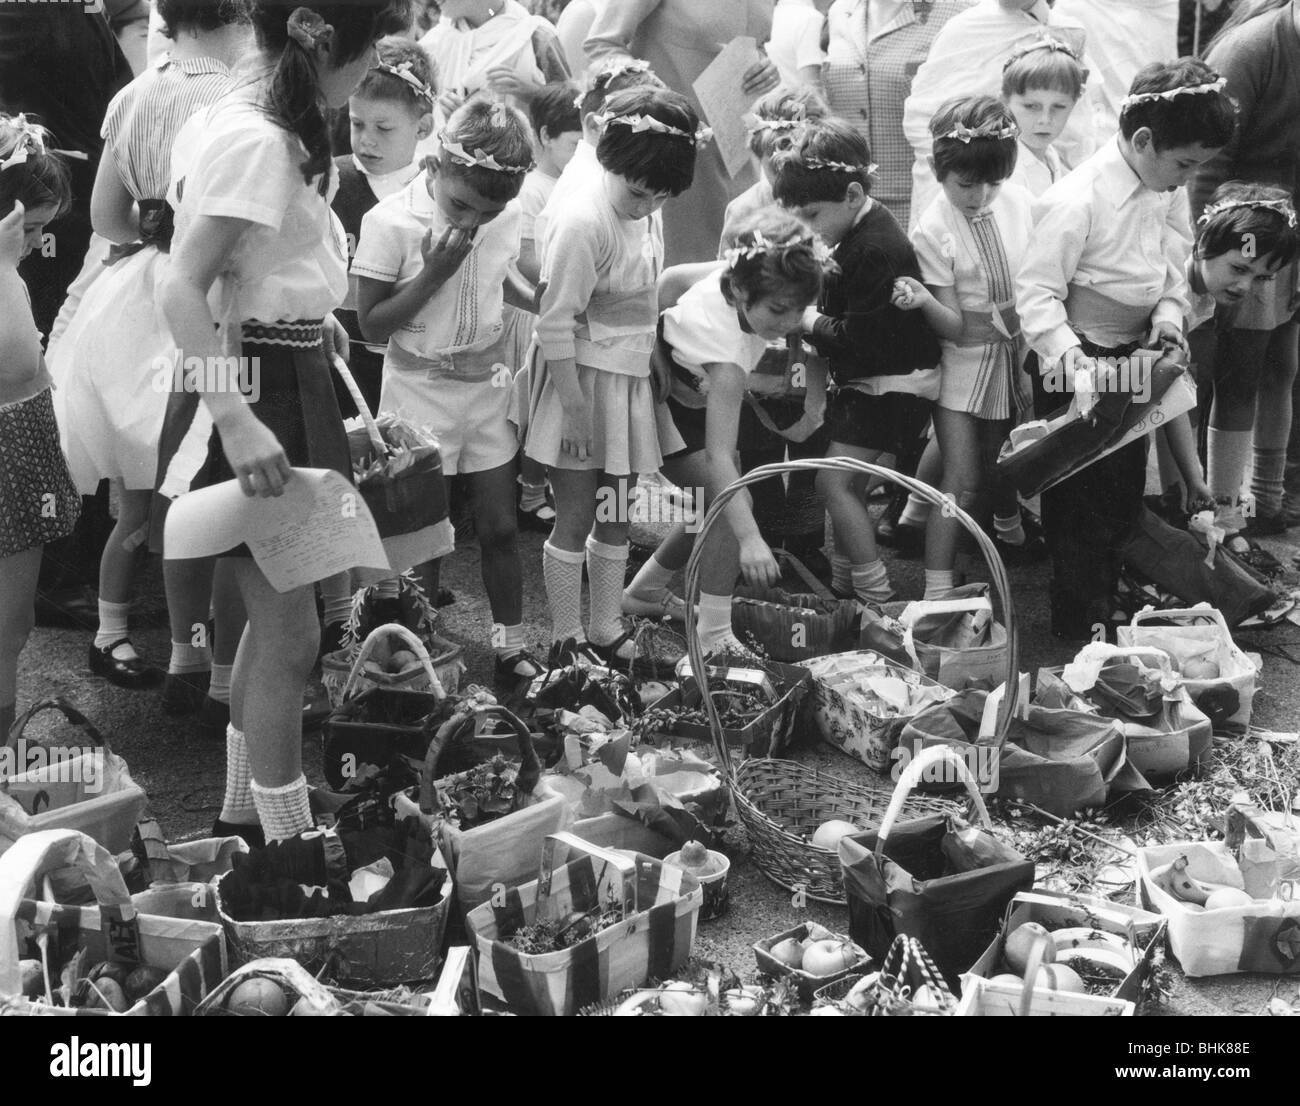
{"type": "Point", "coordinates": [1166, 170]}
{"type": "Point", "coordinates": [831, 220]}
{"type": "Point", "coordinates": [632, 199]}
{"type": "Point", "coordinates": [1041, 115]}
{"type": "Point", "coordinates": [1231, 276]}
{"type": "Point", "coordinates": [462, 205]}
{"type": "Point", "coordinates": [385, 133]}
{"type": "Point", "coordinates": [970, 197]}
{"type": "Point", "coordinates": [772, 316]}
{"type": "Point", "coordinates": [561, 148]}
{"type": "Point", "coordinates": [34, 220]}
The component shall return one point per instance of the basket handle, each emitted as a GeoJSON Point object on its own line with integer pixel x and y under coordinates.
{"type": "Point", "coordinates": [363, 408]}
{"type": "Point", "coordinates": [1100, 650]}
{"type": "Point", "coordinates": [1212, 616]}
{"type": "Point", "coordinates": [530, 766]}
{"type": "Point", "coordinates": [394, 629]}
{"type": "Point", "coordinates": [801, 570]}
{"type": "Point", "coordinates": [70, 712]}
{"type": "Point", "coordinates": [852, 465]}
{"type": "Point", "coordinates": [625, 866]}
{"type": "Point", "coordinates": [912, 776]}
{"type": "Point", "coordinates": [33, 856]}
{"type": "Point", "coordinates": [1033, 962]}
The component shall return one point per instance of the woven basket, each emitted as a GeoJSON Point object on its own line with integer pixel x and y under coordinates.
{"type": "Point", "coordinates": [781, 803]}
{"type": "Point", "coordinates": [795, 626]}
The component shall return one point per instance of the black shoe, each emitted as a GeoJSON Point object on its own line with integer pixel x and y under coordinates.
{"type": "Point", "coordinates": [518, 668]}
{"type": "Point", "coordinates": [540, 519]}
{"type": "Point", "coordinates": [68, 608]}
{"type": "Point", "coordinates": [252, 835]}
{"type": "Point", "coordinates": [609, 654]}
{"type": "Point", "coordinates": [571, 651]}
{"type": "Point", "coordinates": [134, 674]}
{"type": "Point", "coordinates": [184, 692]}
{"type": "Point", "coordinates": [213, 718]}
{"type": "Point", "coordinates": [1028, 552]}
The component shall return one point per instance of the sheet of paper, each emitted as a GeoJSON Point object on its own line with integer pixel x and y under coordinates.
{"type": "Point", "coordinates": [319, 526]}
{"type": "Point", "coordinates": [725, 105]}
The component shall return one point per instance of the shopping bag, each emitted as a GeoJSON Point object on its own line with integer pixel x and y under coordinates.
{"type": "Point", "coordinates": [935, 878]}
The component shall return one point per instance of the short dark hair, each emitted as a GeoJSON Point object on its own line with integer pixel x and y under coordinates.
{"type": "Point", "coordinates": [378, 85]}
{"type": "Point", "coordinates": [986, 159]}
{"type": "Point", "coordinates": [800, 104]}
{"type": "Point", "coordinates": [1043, 68]}
{"type": "Point", "coordinates": [496, 129]}
{"type": "Point", "coordinates": [614, 76]}
{"type": "Point", "coordinates": [660, 162]}
{"type": "Point", "coordinates": [198, 15]}
{"type": "Point", "coordinates": [793, 264]}
{"type": "Point", "coordinates": [1270, 232]}
{"type": "Point", "coordinates": [554, 109]}
{"type": "Point", "coordinates": [41, 180]}
{"type": "Point", "coordinates": [1192, 119]}
{"type": "Point", "coordinates": [803, 173]}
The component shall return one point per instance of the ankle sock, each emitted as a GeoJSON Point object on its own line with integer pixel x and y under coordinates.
{"type": "Point", "coordinates": [938, 582]}
{"type": "Point", "coordinates": [714, 620]}
{"type": "Point", "coordinates": [651, 581]}
{"type": "Point", "coordinates": [509, 640]}
{"type": "Point", "coordinates": [219, 687]}
{"type": "Point", "coordinates": [606, 573]}
{"type": "Point", "coordinates": [283, 811]}
{"type": "Point", "coordinates": [238, 807]}
{"type": "Point", "coordinates": [871, 582]}
{"type": "Point", "coordinates": [1266, 480]}
{"type": "Point", "coordinates": [915, 513]}
{"type": "Point", "coordinates": [188, 658]}
{"type": "Point", "coordinates": [112, 627]}
{"type": "Point", "coordinates": [532, 496]}
{"type": "Point", "coordinates": [562, 571]}
{"type": "Point", "coordinates": [1009, 529]}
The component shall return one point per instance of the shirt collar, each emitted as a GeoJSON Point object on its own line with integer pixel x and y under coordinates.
{"type": "Point", "coordinates": [193, 66]}
{"type": "Point", "coordinates": [418, 200]}
{"type": "Point", "coordinates": [1117, 181]}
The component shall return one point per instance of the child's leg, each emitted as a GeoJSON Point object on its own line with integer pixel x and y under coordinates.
{"type": "Point", "coordinates": [606, 548]}
{"type": "Point", "coordinates": [229, 621]}
{"type": "Point", "coordinates": [1273, 413]}
{"type": "Point", "coordinates": [492, 492]}
{"type": "Point", "coordinates": [274, 660]}
{"type": "Point", "coordinates": [854, 535]}
{"type": "Point", "coordinates": [648, 593]}
{"type": "Point", "coordinates": [1239, 362]}
{"type": "Point", "coordinates": [18, 573]}
{"type": "Point", "coordinates": [959, 442]}
{"type": "Point", "coordinates": [116, 570]}
{"type": "Point", "coordinates": [565, 552]}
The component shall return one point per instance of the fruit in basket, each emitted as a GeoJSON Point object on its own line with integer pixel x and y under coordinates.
{"type": "Point", "coordinates": [142, 980]}
{"type": "Point", "coordinates": [1199, 668]}
{"type": "Point", "coordinates": [828, 834]}
{"type": "Point", "coordinates": [106, 994]}
{"type": "Point", "coordinates": [789, 952]}
{"type": "Point", "coordinates": [1227, 896]}
{"type": "Point", "coordinates": [828, 957]}
{"type": "Point", "coordinates": [1006, 979]}
{"type": "Point", "coordinates": [33, 977]}
{"type": "Point", "coordinates": [1059, 977]}
{"type": "Point", "coordinates": [1020, 943]}
{"type": "Point", "coordinates": [1172, 878]}
{"type": "Point", "coordinates": [1076, 938]}
{"type": "Point", "coordinates": [258, 997]}
{"type": "Point", "coordinates": [401, 660]}
{"type": "Point", "coordinates": [682, 1000]}
{"type": "Point", "coordinates": [743, 1002]}
{"type": "Point", "coordinates": [697, 860]}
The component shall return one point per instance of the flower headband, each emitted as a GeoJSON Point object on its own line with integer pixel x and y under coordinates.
{"type": "Point", "coordinates": [761, 246]}
{"type": "Point", "coordinates": [755, 124]}
{"type": "Point", "coordinates": [478, 158]}
{"type": "Point", "coordinates": [1217, 85]}
{"type": "Point", "coordinates": [308, 29]}
{"type": "Point", "coordinates": [811, 161]}
{"type": "Point", "coordinates": [1281, 206]}
{"type": "Point", "coordinates": [30, 139]}
{"type": "Point", "coordinates": [403, 72]}
{"type": "Point", "coordinates": [963, 133]}
{"type": "Point", "coordinates": [1042, 42]}
{"type": "Point", "coordinates": [643, 123]}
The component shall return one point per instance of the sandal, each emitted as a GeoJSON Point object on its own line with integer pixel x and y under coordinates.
{"type": "Point", "coordinates": [1279, 607]}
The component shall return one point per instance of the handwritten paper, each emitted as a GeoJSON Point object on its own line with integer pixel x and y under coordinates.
{"type": "Point", "coordinates": [725, 104]}
{"type": "Point", "coordinates": [318, 527]}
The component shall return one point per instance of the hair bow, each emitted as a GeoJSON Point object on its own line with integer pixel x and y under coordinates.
{"type": "Point", "coordinates": [963, 133]}
{"type": "Point", "coordinates": [644, 123]}
{"type": "Point", "coordinates": [1217, 85]}
{"type": "Point", "coordinates": [404, 72]}
{"type": "Point", "coordinates": [1043, 41]}
{"type": "Point", "coordinates": [308, 29]}
{"type": "Point", "coordinates": [478, 158]}
{"type": "Point", "coordinates": [1282, 207]}
{"type": "Point", "coordinates": [761, 246]}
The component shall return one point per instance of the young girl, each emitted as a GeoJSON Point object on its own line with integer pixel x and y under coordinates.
{"type": "Point", "coordinates": [117, 351]}
{"type": "Point", "coordinates": [718, 332]}
{"type": "Point", "coordinates": [969, 242]}
{"type": "Point", "coordinates": [1041, 84]}
{"type": "Point", "coordinates": [251, 177]}
{"type": "Point", "coordinates": [38, 502]}
{"type": "Point", "coordinates": [592, 417]}
{"type": "Point", "coordinates": [430, 270]}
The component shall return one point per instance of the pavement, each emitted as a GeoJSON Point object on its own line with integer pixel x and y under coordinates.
{"type": "Point", "coordinates": [184, 776]}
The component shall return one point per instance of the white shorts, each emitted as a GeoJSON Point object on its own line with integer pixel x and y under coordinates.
{"type": "Point", "coordinates": [470, 421]}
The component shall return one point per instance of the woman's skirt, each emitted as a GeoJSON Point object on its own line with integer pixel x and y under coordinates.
{"type": "Point", "coordinates": [38, 502]}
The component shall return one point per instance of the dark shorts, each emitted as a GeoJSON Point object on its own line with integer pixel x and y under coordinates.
{"type": "Point", "coordinates": [890, 423]}
{"type": "Point", "coordinates": [690, 423]}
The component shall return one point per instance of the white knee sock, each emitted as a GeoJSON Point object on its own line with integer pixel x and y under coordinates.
{"type": "Point", "coordinates": [1266, 480]}
{"type": "Point", "coordinates": [219, 688]}
{"type": "Point", "coordinates": [238, 806]}
{"type": "Point", "coordinates": [112, 627]}
{"type": "Point", "coordinates": [283, 811]}
{"type": "Point", "coordinates": [188, 658]}
{"type": "Point", "coordinates": [651, 581]}
{"type": "Point", "coordinates": [714, 621]}
{"type": "Point", "coordinates": [1229, 454]}
{"type": "Point", "coordinates": [606, 572]}
{"type": "Point", "coordinates": [938, 582]}
{"type": "Point", "coordinates": [871, 582]}
{"type": "Point", "coordinates": [562, 571]}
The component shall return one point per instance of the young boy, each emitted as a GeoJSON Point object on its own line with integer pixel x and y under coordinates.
{"type": "Point", "coordinates": [882, 360]}
{"type": "Point", "coordinates": [1105, 275]}
{"type": "Point", "coordinates": [557, 131]}
{"type": "Point", "coordinates": [1041, 85]}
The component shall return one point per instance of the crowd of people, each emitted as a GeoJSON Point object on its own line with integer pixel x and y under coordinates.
{"type": "Point", "coordinates": [956, 213]}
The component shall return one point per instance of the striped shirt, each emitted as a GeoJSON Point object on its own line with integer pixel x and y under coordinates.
{"type": "Point", "coordinates": [145, 117]}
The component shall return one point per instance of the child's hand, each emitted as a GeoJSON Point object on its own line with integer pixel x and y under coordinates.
{"type": "Point", "coordinates": [909, 294]}
{"type": "Point", "coordinates": [1166, 334]}
{"type": "Point", "coordinates": [256, 457]}
{"type": "Point", "coordinates": [12, 235]}
{"type": "Point", "coordinates": [451, 99]}
{"type": "Point", "coordinates": [760, 77]}
{"type": "Point", "coordinates": [444, 257]}
{"type": "Point", "coordinates": [757, 564]}
{"type": "Point", "coordinates": [335, 339]}
{"type": "Point", "coordinates": [576, 432]}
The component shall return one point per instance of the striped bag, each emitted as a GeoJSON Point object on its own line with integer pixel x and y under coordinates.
{"type": "Point", "coordinates": [661, 906]}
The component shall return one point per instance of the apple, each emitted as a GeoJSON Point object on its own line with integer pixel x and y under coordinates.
{"type": "Point", "coordinates": [789, 952]}
{"type": "Point", "coordinates": [682, 1000]}
{"type": "Point", "coordinates": [743, 1002]}
{"type": "Point", "coordinates": [828, 957]}
{"type": "Point", "coordinates": [1200, 668]}
{"type": "Point", "coordinates": [258, 997]}
{"type": "Point", "coordinates": [828, 834]}
{"type": "Point", "coordinates": [1227, 896]}
{"type": "Point", "coordinates": [401, 660]}
{"type": "Point", "coordinates": [1059, 977]}
{"type": "Point", "coordinates": [1020, 942]}
{"type": "Point", "coordinates": [1006, 979]}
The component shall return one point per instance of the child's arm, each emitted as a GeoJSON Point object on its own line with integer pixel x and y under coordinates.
{"type": "Point", "coordinates": [1043, 282]}
{"type": "Point", "coordinates": [381, 312]}
{"type": "Point", "coordinates": [1182, 446]}
{"type": "Point", "coordinates": [113, 213]}
{"type": "Point", "coordinates": [721, 431]}
{"type": "Point", "coordinates": [20, 342]}
{"type": "Point", "coordinates": [528, 263]}
{"type": "Point", "coordinates": [814, 403]}
{"type": "Point", "coordinates": [1175, 298]}
{"type": "Point", "coordinates": [868, 285]}
{"type": "Point", "coordinates": [936, 302]}
{"type": "Point", "coordinates": [518, 291]}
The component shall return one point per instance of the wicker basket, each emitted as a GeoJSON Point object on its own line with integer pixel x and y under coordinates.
{"type": "Point", "coordinates": [795, 626]}
{"type": "Point", "coordinates": [780, 803]}
{"type": "Point", "coordinates": [439, 664]}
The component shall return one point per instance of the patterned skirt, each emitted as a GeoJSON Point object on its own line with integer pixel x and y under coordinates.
{"type": "Point", "coordinates": [38, 502]}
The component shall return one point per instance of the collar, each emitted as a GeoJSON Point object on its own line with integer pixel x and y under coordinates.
{"type": "Point", "coordinates": [193, 66]}
{"type": "Point", "coordinates": [1116, 181]}
{"type": "Point", "coordinates": [389, 180]}
{"type": "Point", "coordinates": [417, 199]}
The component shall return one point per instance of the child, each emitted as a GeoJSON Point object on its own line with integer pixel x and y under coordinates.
{"type": "Point", "coordinates": [430, 269]}
{"type": "Point", "coordinates": [1041, 84]}
{"type": "Point", "coordinates": [250, 183]}
{"type": "Point", "coordinates": [777, 116]}
{"type": "Point", "coordinates": [117, 341]}
{"type": "Point", "coordinates": [38, 502]}
{"type": "Point", "coordinates": [881, 359]}
{"type": "Point", "coordinates": [797, 46]}
{"type": "Point", "coordinates": [1104, 275]}
{"type": "Point", "coordinates": [970, 241]}
{"type": "Point", "coordinates": [718, 332]}
{"type": "Point", "coordinates": [592, 417]}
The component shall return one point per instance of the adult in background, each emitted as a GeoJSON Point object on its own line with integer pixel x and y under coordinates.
{"type": "Point", "coordinates": [572, 26]}
{"type": "Point", "coordinates": [875, 49]}
{"type": "Point", "coordinates": [680, 38]}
